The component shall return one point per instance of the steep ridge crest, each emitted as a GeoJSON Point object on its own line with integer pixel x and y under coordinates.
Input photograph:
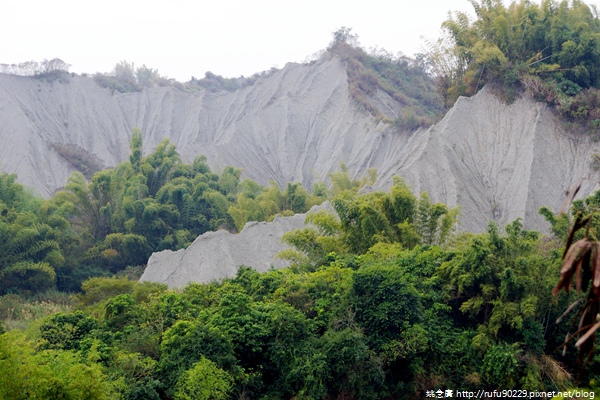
{"type": "Point", "coordinates": [296, 125]}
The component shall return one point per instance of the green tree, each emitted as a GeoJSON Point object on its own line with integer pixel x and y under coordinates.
{"type": "Point", "coordinates": [159, 164]}
{"type": "Point", "coordinates": [503, 284]}
{"type": "Point", "coordinates": [32, 232]}
{"type": "Point", "coordinates": [556, 42]}
{"type": "Point", "coordinates": [48, 374]}
{"type": "Point", "coordinates": [65, 331]}
{"type": "Point", "coordinates": [353, 369]}
{"type": "Point", "coordinates": [92, 207]}
{"type": "Point", "coordinates": [28, 276]}
{"type": "Point", "coordinates": [386, 303]}
{"type": "Point", "coordinates": [186, 343]}
{"type": "Point", "coordinates": [204, 381]}
{"type": "Point", "coordinates": [135, 145]}
{"type": "Point", "coordinates": [98, 289]}
{"type": "Point", "coordinates": [434, 222]}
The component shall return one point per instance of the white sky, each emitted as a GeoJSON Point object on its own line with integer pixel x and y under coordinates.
{"type": "Point", "coordinates": [184, 38]}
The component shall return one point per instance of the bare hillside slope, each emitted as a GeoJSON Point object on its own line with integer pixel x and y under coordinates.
{"type": "Point", "coordinates": [496, 161]}
{"type": "Point", "coordinates": [296, 125]}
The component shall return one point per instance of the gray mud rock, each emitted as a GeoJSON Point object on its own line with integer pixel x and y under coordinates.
{"type": "Point", "coordinates": [215, 256]}
{"type": "Point", "coordinates": [296, 125]}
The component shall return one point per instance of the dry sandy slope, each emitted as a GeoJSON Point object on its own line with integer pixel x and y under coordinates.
{"type": "Point", "coordinates": [496, 162]}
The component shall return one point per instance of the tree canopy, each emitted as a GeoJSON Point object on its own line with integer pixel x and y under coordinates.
{"type": "Point", "coordinates": [386, 322]}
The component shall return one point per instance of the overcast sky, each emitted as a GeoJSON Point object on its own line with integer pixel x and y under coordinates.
{"type": "Point", "coordinates": [184, 38]}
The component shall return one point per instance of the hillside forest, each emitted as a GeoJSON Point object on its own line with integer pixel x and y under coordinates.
{"type": "Point", "coordinates": [385, 299]}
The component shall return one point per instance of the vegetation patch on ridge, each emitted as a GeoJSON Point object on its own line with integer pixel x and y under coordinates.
{"type": "Point", "coordinates": [82, 160]}
{"type": "Point", "coordinates": [404, 79]}
{"type": "Point", "coordinates": [550, 50]}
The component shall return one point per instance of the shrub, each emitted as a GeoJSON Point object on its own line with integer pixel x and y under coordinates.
{"type": "Point", "coordinates": [100, 288]}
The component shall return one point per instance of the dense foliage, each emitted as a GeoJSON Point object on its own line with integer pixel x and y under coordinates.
{"type": "Point", "coordinates": [34, 236]}
{"type": "Point", "coordinates": [391, 322]}
{"type": "Point", "coordinates": [126, 78]}
{"type": "Point", "coordinates": [55, 66]}
{"type": "Point", "coordinates": [383, 301]}
{"type": "Point", "coordinates": [551, 49]}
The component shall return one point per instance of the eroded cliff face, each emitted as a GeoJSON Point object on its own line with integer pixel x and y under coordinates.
{"type": "Point", "coordinates": [496, 161]}
{"type": "Point", "coordinates": [294, 126]}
